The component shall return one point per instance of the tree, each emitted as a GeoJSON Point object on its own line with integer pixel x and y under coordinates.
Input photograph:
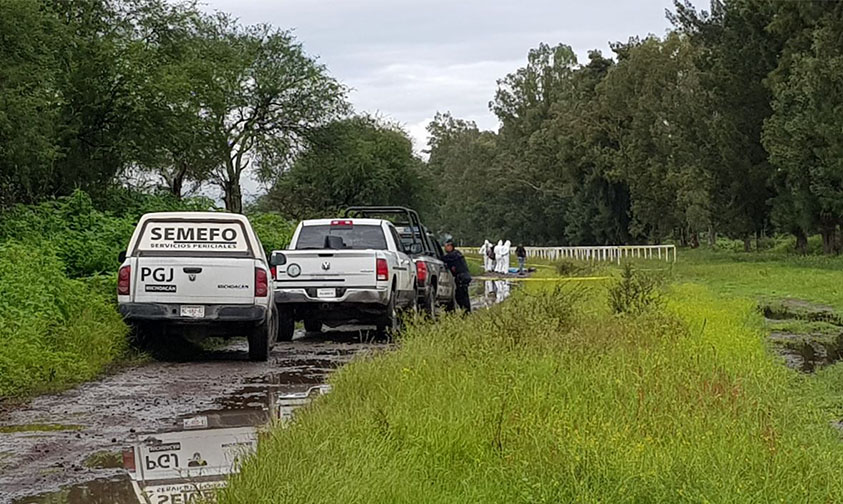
{"type": "Point", "coordinates": [173, 134]}
{"type": "Point", "coordinates": [735, 53]}
{"type": "Point", "coordinates": [463, 167]}
{"type": "Point", "coordinates": [803, 134]}
{"type": "Point", "coordinates": [264, 96]}
{"type": "Point", "coordinates": [653, 110]}
{"type": "Point", "coordinates": [354, 161]}
{"type": "Point", "coordinates": [29, 81]}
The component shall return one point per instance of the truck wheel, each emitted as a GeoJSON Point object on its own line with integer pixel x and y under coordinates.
{"type": "Point", "coordinates": [311, 325]}
{"type": "Point", "coordinates": [259, 339]}
{"type": "Point", "coordinates": [390, 323]}
{"type": "Point", "coordinates": [452, 303]}
{"type": "Point", "coordinates": [429, 304]}
{"type": "Point", "coordinates": [286, 326]}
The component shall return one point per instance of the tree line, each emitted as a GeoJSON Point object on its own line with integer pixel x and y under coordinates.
{"type": "Point", "coordinates": [102, 92]}
{"type": "Point", "coordinates": [731, 124]}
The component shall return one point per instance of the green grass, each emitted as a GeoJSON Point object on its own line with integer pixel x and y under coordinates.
{"type": "Point", "coordinates": [38, 427]}
{"type": "Point", "coordinates": [54, 331]}
{"type": "Point", "coordinates": [765, 276]}
{"type": "Point", "coordinates": [549, 398]}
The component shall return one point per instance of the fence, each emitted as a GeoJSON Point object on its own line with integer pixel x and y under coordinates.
{"type": "Point", "coordinates": [614, 253]}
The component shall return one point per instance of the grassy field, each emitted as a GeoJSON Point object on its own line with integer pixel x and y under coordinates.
{"type": "Point", "coordinates": [552, 398]}
{"type": "Point", "coordinates": [765, 276]}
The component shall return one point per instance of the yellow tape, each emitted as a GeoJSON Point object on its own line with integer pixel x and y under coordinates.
{"type": "Point", "coordinates": [558, 279]}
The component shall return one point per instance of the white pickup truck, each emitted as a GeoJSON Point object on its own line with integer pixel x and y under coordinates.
{"type": "Point", "coordinates": [201, 274]}
{"type": "Point", "coordinates": [343, 271]}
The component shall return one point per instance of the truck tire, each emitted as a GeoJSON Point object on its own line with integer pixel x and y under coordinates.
{"type": "Point", "coordinates": [260, 339]}
{"type": "Point", "coordinates": [451, 304]}
{"type": "Point", "coordinates": [286, 326]}
{"type": "Point", "coordinates": [312, 326]}
{"type": "Point", "coordinates": [429, 303]}
{"type": "Point", "coordinates": [391, 322]}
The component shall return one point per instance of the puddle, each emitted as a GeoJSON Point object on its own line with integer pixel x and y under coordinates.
{"type": "Point", "coordinates": [806, 335]}
{"type": "Point", "coordinates": [491, 292]}
{"type": "Point", "coordinates": [100, 491]}
{"type": "Point", "coordinates": [192, 459]}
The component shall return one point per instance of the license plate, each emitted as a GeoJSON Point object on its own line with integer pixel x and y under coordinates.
{"type": "Point", "coordinates": [326, 293]}
{"type": "Point", "coordinates": [192, 311]}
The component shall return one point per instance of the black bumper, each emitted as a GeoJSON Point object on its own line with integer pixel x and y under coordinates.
{"type": "Point", "coordinates": [170, 313]}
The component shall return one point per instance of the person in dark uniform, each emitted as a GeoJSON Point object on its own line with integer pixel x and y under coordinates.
{"type": "Point", "coordinates": [456, 263]}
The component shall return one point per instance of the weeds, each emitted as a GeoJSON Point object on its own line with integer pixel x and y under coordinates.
{"type": "Point", "coordinates": [635, 292]}
{"type": "Point", "coordinates": [542, 399]}
{"type": "Point", "coordinates": [54, 331]}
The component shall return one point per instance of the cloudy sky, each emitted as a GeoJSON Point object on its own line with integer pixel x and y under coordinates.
{"type": "Point", "coordinates": [406, 60]}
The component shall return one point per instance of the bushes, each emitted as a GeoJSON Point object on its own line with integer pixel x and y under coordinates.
{"type": "Point", "coordinates": [85, 238]}
{"type": "Point", "coordinates": [635, 292]}
{"type": "Point", "coordinates": [274, 231]}
{"type": "Point", "coordinates": [53, 330]}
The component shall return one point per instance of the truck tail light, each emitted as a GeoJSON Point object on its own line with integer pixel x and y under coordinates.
{"type": "Point", "coordinates": [261, 283]}
{"type": "Point", "coordinates": [129, 458]}
{"type": "Point", "coordinates": [124, 281]}
{"type": "Point", "coordinates": [273, 273]}
{"type": "Point", "coordinates": [335, 223]}
{"type": "Point", "coordinates": [382, 270]}
{"type": "Point", "coordinates": [421, 271]}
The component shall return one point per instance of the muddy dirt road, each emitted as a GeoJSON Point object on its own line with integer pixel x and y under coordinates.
{"type": "Point", "coordinates": [65, 447]}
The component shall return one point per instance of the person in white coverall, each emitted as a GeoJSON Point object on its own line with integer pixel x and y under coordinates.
{"type": "Point", "coordinates": [498, 256]}
{"type": "Point", "coordinates": [484, 251]}
{"type": "Point", "coordinates": [507, 247]}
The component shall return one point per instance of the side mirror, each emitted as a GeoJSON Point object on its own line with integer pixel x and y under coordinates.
{"type": "Point", "coordinates": [121, 256]}
{"type": "Point", "coordinates": [416, 248]}
{"type": "Point", "coordinates": [277, 259]}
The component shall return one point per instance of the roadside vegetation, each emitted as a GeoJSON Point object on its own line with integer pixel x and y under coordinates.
{"type": "Point", "coordinates": [560, 395]}
{"type": "Point", "coordinates": [58, 263]}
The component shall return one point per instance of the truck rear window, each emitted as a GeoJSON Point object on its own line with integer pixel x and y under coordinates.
{"type": "Point", "coordinates": [358, 237]}
{"type": "Point", "coordinates": [204, 237]}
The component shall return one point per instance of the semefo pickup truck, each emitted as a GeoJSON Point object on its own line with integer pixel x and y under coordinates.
{"type": "Point", "coordinates": [201, 274]}
{"type": "Point", "coordinates": [343, 271]}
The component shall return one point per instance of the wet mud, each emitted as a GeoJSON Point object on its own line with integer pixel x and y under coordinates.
{"type": "Point", "coordinates": [112, 440]}
{"type": "Point", "coordinates": [63, 447]}
{"type": "Point", "coordinates": [807, 335]}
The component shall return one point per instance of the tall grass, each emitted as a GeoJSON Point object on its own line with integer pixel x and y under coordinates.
{"type": "Point", "coordinates": [54, 331]}
{"type": "Point", "coordinates": [549, 399]}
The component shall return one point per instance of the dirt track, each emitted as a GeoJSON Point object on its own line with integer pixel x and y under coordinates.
{"type": "Point", "coordinates": [51, 461]}
{"type": "Point", "coordinates": [102, 416]}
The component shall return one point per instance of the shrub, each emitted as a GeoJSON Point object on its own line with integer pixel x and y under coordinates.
{"type": "Point", "coordinates": [85, 238]}
{"type": "Point", "coordinates": [571, 267]}
{"type": "Point", "coordinates": [635, 292]}
{"type": "Point", "coordinates": [53, 330]}
{"type": "Point", "coordinates": [274, 231]}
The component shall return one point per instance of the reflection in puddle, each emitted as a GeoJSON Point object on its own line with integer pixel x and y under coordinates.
{"type": "Point", "coordinates": [496, 291]}
{"type": "Point", "coordinates": [190, 462]}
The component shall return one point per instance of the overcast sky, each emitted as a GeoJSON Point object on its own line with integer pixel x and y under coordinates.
{"type": "Point", "coordinates": [409, 59]}
{"type": "Point", "coordinates": [406, 60]}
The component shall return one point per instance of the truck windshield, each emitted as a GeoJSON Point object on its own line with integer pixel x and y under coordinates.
{"type": "Point", "coordinates": [356, 237]}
